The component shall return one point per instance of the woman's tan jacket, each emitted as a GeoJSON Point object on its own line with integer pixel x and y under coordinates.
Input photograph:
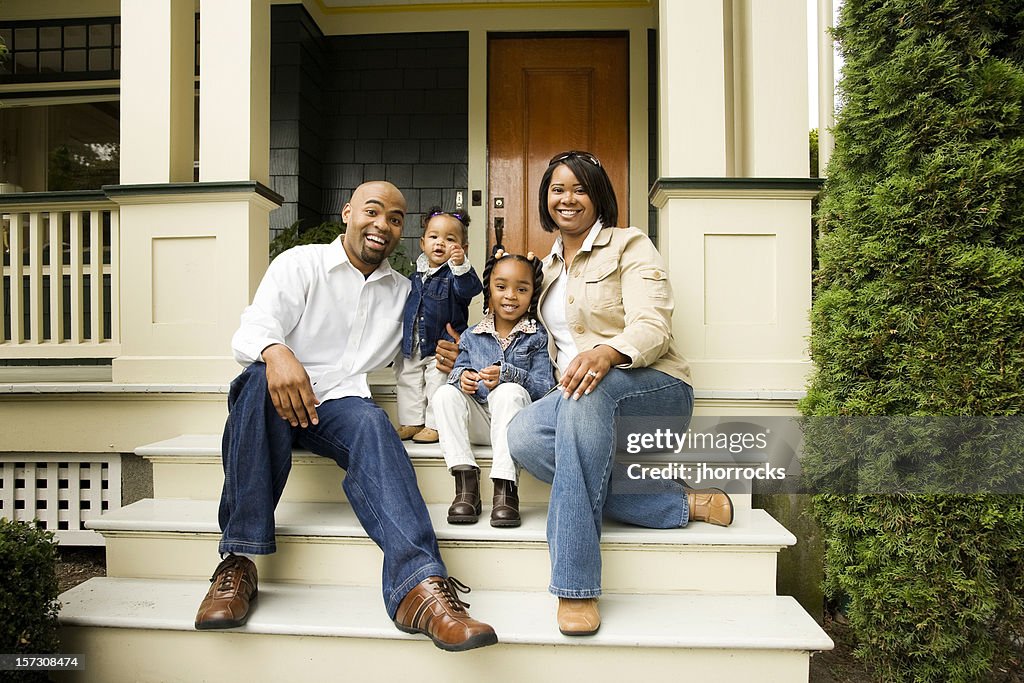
{"type": "Point", "coordinates": [618, 294]}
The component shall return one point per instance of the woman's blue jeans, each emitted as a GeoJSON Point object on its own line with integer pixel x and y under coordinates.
{"type": "Point", "coordinates": [571, 445]}
{"type": "Point", "coordinates": [380, 482]}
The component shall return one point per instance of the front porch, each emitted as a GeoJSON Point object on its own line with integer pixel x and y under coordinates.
{"type": "Point", "coordinates": [118, 305]}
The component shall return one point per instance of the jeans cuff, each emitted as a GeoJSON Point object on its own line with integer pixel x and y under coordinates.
{"type": "Point", "coordinates": [686, 511]}
{"type": "Point", "coordinates": [246, 547]}
{"type": "Point", "coordinates": [576, 594]}
{"type": "Point", "coordinates": [399, 593]}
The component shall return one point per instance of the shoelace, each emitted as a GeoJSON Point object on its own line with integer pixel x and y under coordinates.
{"type": "Point", "coordinates": [227, 572]}
{"type": "Point", "coordinates": [449, 589]}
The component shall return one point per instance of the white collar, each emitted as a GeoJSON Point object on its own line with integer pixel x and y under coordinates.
{"type": "Point", "coordinates": [588, 243]}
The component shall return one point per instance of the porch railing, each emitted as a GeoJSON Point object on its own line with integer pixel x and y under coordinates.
{"type": "Point", "coordinates": [60, 276]}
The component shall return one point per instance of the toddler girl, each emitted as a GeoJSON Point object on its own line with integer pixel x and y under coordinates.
{"type": "Point", "coordinates": [442, 287]}
{"type": "Point", "coordinates": [503, 365]}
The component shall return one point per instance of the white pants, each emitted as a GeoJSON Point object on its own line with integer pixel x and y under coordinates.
{"type": "Point", "coordinates": [416, 380]}
{"type": "Point", "coordinates": [462, 421]}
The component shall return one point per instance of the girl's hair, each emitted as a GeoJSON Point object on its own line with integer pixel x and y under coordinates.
{"type": "Point", "coordinates": [530, 260]}
{"type": "Point", "coordinates": [592, 176]}
{"type": "Point", "coordinates": [457, 215]}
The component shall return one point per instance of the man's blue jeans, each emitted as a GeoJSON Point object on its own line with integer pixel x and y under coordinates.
{"type": "Point", "coordinates": [571, 445]}
{"type": "Point", "coordinates": [380, 482]}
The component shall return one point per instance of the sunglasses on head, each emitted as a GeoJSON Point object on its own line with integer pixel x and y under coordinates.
{"type": "Point", "coordinates": [586, 156]}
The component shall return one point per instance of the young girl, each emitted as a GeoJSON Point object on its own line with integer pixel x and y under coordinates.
{"type": "Point", "coordinates": [503, 366]}
{"type": "Point", "coordinates": [442, 287]}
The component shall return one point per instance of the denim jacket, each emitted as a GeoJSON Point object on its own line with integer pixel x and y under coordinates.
{"type": "Point", "coordinates": [525, 361]}
{"type": "Point", "coordinates": [435, 301]}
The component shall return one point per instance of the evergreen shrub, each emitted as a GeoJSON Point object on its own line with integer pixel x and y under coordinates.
{"type": "Point", "coordinates": [919, 311]}
{"type": "Point", "coordinates": [28, 593]}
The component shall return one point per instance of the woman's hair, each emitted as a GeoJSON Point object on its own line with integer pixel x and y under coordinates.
{"type": "Point", "coordinates": [530, 260]}
{"type": "Point", "coordinates": [457, 215]}
{"type": "Point", "coordinates": [589, 172]}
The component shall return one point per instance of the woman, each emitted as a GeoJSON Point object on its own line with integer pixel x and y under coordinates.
{"type": "Point", "coordinates": [607, 305]}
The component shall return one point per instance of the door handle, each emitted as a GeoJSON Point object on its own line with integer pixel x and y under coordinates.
{"type": "Point", "coordinates": [499, 231]}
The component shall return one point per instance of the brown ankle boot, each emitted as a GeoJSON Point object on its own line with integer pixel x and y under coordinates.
{"type": "Point", "coordinates": [505, 512]}
{"type": "Point", "coordinates": [466, 507]}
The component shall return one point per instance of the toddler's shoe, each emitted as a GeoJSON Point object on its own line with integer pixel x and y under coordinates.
{"type": "Point", "coordinates": [406, 432]}
{"type": "Point", "coordinates": [425, 435]}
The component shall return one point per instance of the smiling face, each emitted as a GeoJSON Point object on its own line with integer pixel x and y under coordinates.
{"type": "Point", "coordinates": [374, 218]}
{"type": "Point", "coordinates": [511, 289]}
{"type": "Point", "coordinates": [441, 234]}
{"type": "Point", "coordinates": [569, 204]}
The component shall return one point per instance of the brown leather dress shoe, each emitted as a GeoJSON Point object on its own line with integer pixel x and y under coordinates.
{"type": "Point", "coordinates": [578, 617]}
{"type": "Point", "coordinates": [226, 604]}
{"type": "Point", "coordinates": [434, 609]}
{"type": "Point", "coordinates": [709, 505]}
{"type": "Point", "coordinates": [505, 511]}
{"type": "Point", "coordinates": [466, 506]}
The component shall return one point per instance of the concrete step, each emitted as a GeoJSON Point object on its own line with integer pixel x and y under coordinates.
{"type": "Point", "coordinates": [142, 630]}
{"type": "Point", "coordinates": [165, 538]}
{"type": "Point", "coordinates": [189, 466]}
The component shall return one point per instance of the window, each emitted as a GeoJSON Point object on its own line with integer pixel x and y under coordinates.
{"type": "Point", "coordinates": [61, 50]}
{"type": "Point", "coordinates": [56, 148]}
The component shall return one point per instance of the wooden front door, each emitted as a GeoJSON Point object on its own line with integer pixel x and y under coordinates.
{"type": "Point", "coordinates": [545, 96]}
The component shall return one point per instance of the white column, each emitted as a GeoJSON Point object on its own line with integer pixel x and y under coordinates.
{"type": "Point", "coordinates": [773, 71]}
{"type": "Point", "coordinates": [826, 86]}
{"type": "Point", "coordinates": [734, 214]}
{"type": "Point", "coordinates": [693, 130]}
{"type": "Point", "coordinates": [234, 90]}
{"type": "Point", "coordinates": [157, 90]}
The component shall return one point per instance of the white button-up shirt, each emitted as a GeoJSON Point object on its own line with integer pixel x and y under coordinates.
{"type": "Point", "coordinates": [553, 309]}
{"type": "Point", "coordinates": [339, 324]}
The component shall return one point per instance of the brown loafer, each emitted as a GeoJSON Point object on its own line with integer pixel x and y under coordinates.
{"type": "Point", "coordinates": [434, 609]}
{"type": "Point", "coordinates": [709, 505]}
{"type": "Point", "coordinates": [406, 432]}
{"type": "Point", "coordinates": [505, 510]}
{"type": "Point", "coordinates": [426, 435]}
{"type": "Point", "coordinates": [578, 617]}
{"type": "Point", "coordinates": [233, 590]}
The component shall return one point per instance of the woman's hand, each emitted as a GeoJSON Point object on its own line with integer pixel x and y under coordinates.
{"type": "Point", "coordinates": [491, 376]}
{"type": "Point", "coordinates": [588, 369]}
{"type": "Point", "coordinates": [468, 381]}
{"type": "Point", "coordinates": [446, 351]}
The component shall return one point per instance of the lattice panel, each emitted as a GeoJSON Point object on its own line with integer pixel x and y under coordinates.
{"type": "Point", "coordinates": [61, 492]}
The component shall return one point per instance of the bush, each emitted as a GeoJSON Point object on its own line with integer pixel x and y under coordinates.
{"type": "Point", "coordinates": [919, 310]}
{"type": "Point", "coordinates": [325, 233]}
{"type": "Point", "coordinates": [28, 593]}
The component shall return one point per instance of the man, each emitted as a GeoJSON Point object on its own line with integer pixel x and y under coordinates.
{"type": "Point", "coordinates": [323, 317]}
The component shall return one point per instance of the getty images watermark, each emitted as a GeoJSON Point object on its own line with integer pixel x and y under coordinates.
{"type": "Point", "coordinates": [664, 440]}
{"type": "Point", "coordinates": [838, 455]}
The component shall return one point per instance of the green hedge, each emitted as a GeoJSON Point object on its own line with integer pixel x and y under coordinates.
{"type": "Point", "coordinates": [919, 310]}
{"type": "Point", "coordinates": [28, 593]}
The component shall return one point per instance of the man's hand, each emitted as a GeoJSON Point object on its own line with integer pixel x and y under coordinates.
{"type": "Point", "coordinates": [447, 351]}
{"type": "Point", "coordinates": [468, 381]}
{"type": "Point", "coordinates": [289, 386]}
{"type": "Point", "coordinates": [457, 255]}
{"type": "Point", "coordinates": [491, 376]}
